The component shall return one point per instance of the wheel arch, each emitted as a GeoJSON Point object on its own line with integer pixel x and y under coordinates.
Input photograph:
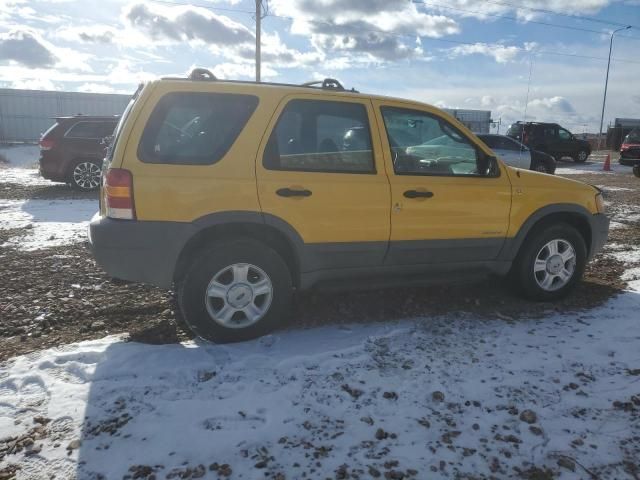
{"type": "Point", "coordinates": [575, 215]}
{"type": "Point", "coordinates": [273, 232]}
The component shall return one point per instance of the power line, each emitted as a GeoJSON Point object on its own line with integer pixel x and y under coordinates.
{"type": "Point", "coordinates": [514, 19]}
{"type": "Point", "coordinates": [551, 12]}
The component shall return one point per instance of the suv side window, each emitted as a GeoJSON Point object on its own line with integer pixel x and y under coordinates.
{"type": "Point", "coordinates": [564, 134]}
{"type": "Point", "coordinates": [85, 130]}
{"type": "Point", "coordinates": [550, 132]}
{"type": "Point", "coordinates": [321, 136]}
{"type": "Point", "coordinates": [194, 128]}
{"type": "Point", "coordinates": [424, 144]}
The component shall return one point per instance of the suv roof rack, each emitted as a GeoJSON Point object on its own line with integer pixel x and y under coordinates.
{"type": "Point", "coordinates": [327, 83]}
{"type": "Point", "coordinates": [205, 75]}
{"type": "Point", "coordinates": [201, 74]}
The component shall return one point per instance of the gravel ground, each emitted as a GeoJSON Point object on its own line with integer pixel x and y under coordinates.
{"type": "Point", "coordinates": [59, 295]}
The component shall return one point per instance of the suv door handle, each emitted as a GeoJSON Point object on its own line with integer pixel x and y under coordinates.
{"type": "Point", "coordinates": [288, 192]}
{"type": "Point", "coordinates": [417, 194]}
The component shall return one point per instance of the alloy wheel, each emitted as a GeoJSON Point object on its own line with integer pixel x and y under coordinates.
{"type": "Point", "coordinates": [239, 295]}
{"type": "Point", "coordinates": [555, 265]}
{"type": "Point", "coordinates": [86, 175]}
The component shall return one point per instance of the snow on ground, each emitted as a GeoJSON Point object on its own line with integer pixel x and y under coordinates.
{"type": "Point", "coordinates": [20, 155]}
{"type": "Point", "coordinates": [23, 176]}
{"type": "Point", "coordinates": [441, 396]}
{"type": "Point", "coordinates": [49, 222]}
{"type": "Point", "coordinates": [567, 168]}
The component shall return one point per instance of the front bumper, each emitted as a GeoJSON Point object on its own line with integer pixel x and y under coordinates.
{"type": "Point", "coordinates": [599, 233]}
{"type": "Point", "coordinates": [139, 251]}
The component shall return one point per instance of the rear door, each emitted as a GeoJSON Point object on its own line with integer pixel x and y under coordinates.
{"type": "Point", "coordinates": [320, 171]}
{"type": "Point", "coordinates": [446, 206]}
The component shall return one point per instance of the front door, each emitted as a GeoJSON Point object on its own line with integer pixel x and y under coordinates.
{"type": "Point", "coordinates": [447, 207]}
{"type": "Point", "coordinates": [320, 170]}
{"type": "Point", "coordinates": [566, 143]}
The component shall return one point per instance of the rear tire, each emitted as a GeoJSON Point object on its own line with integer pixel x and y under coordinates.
{"type": "Point", "coordinates": [85, 175]}
{"type": "Point", "coordinates": [551, 262]}
{"type": "Point", "coordinates": [636, 170]}
{"type": "Point", "coordinates": [581, 156]}
{"type": "Point", "coordinates": [235, 291]}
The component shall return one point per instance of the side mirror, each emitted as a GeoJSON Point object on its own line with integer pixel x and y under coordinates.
{"type": "Point", "coordinates": [493, 169]}
{"type": "Point", "coordinates": [487, 165]}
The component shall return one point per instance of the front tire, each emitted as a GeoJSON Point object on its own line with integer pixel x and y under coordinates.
{"type": "Point", "coordinates": [636, 170]}
{"type": "Point", "coordinates": [581, 156]}
{"type": "Point", "coordinates": [551, 262]}
{"type": "Point", "coordinates": [235, 291]}
{"type": "Point", "coordinates": [85, 175]}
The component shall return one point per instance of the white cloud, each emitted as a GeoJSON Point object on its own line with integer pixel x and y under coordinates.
{"type": "Point", "coordinates": [238, 71]}
{"type": "Point", "coordinates": [179, 24]}
{"type": "Point", "coordinates": [554, 104]}
{"type": "Point", "coordinates": [96, 88]}
{"type": "Point", "coordinates": [26, 47]}
{"type": "Point", "coordinates": [34, 84]}
{"type": "Point", "coordinates": [500, 53]}
{"type": "Point", "coordinates": [383, 30]}
{"type": "Point", "coordinates": [88, 34]}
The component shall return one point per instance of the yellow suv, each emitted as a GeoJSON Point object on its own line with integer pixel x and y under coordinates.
{"type": "Point", "coordinates": [239, 193]}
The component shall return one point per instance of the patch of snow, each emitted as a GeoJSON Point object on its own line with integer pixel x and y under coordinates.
{"type": "Point", "coordinates": [568, 168]}
{"type": "Point", "coordinates": [628, 256]}
{"type": "Point", "coordinates": [22, 156]}
{"type": "Point", "coordinates": [312, 400]}
{"type": "Point", "coordinates": [51, 222]}
{"type": "Point", "coordinates": [24, 176]}
{"type": "Point", "coordinates": [611, 188]}
{"type": "Point", "coordinates": [631, 274]}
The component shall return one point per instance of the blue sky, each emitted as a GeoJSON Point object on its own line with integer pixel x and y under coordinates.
{"type": "Point", "coordinates": [454, 53]}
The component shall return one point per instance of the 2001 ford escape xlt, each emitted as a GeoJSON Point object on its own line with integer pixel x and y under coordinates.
{"type": "Point", "coordinates": [239, 193]}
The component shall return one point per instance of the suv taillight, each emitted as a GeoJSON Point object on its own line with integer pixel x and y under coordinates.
{"type": "Point", "coordinates": [118, 194]}
{"type": "Point", "coordinates": [47, 144]}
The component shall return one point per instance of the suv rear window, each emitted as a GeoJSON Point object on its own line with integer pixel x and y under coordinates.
{"type": "Point", "coordinates": [321, 136]}
{"type": "Point", "coordinates": [194, 128]}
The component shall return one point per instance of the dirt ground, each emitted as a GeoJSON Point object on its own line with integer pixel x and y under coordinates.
{"type": "Point", "coordinates": [59, 295]}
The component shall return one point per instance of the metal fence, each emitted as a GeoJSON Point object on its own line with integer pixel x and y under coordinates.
{"type": "Point", "coordinates": [26, 114]}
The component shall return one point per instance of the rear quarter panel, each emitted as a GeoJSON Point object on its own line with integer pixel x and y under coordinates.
{"type": "Point", "coordinates": [184, 193]}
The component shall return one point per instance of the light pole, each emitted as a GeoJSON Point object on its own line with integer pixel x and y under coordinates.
{"type": "Point", "coordinates": [606, 81]}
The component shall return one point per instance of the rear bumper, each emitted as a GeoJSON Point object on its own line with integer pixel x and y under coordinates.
{"type": "Point", "coordinates": [51, 168]}
{"type": "Point", "coordinates": [138, 251]}
{"type": "Point", "coordinates": [599, 233]}
{"type": "Point", "coordinates": [629, 162]}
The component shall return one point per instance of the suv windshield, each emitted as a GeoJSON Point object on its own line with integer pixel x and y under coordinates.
{"type": "Point", "coordinates": [633, 136]}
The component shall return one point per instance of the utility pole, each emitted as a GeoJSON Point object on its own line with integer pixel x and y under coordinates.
{"type": "Point", "coordinates": [258, 19]}
{"type": "Point", "coordinates": [606, 81]}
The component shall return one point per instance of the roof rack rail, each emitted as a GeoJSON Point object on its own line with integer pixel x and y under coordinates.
{"type": "Point", "coordinates": [328, 83]}
{"type": "Point", "coordinates": [202, 74]}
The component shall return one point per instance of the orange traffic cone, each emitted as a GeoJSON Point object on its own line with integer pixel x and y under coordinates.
{"type": "Point", "coordinates": [607, 164]}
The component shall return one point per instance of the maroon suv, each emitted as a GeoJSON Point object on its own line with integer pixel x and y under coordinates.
{"type": "Point", "coordinates": [72, 150]}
